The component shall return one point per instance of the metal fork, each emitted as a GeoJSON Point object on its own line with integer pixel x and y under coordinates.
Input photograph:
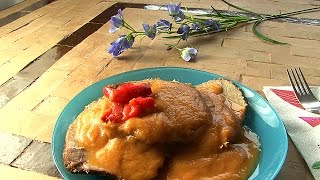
{"type": "Point", "coordinates": [302, 91]}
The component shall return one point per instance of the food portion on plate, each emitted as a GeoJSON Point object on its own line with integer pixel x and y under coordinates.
{"type": "Point", "coordinates": [156, 129]}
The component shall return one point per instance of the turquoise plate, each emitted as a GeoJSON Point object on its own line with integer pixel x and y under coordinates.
{"type": "Point", "coordinates": [260, 117]}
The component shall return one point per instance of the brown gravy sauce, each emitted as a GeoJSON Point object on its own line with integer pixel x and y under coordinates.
{"type": "Point", "coordinates": [236, 161]}
{"type": "Point", "coordinates": [111, 150]}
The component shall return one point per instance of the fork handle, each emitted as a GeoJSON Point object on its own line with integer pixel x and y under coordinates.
{"type": "Point", "coordinates": [316, 111]}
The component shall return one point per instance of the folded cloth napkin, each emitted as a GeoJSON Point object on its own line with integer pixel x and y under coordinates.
{"type": "Point", "coordinates": [302, 126]}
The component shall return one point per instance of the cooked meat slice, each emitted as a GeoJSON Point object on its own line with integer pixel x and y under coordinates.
{"type": "Point", "coordinates": [95, 146]}
{"type": "Point", "coordinates": [233, 95]}
{"type": "Point", "coordinates": [181, 115]}
{"type": "Point", "coordinates": [75, 157]}
{"type": "Point", "coordinates": [207, 159]}
{"type": "Point", "coordinates": [222, 97]}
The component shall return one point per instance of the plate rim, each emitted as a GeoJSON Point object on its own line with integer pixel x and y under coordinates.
{"type": "Point", "coordinates": [237, 83]}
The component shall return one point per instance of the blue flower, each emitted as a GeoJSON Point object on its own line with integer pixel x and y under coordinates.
{"type": "Point", "coordinates": [116, 21]}
{"type": "Point", "coordinates": [173, 9]}
{"type": "Point", "coordinates": [179, 17]}
{"type": "Point", "coordinates": [184, 30]}
{"type": "Point", "coordinates": [164, 25]}
{"type": "Point", "coordinates": [213, 24]}
{"type": "Point", "coordinates": [175, 12]}
{"type": "Point", "coordinates": [121, 44]}
{"type": "Point", "coordinates": [150, 31]}
{"type": "Point", "coordinates": [188, 53]}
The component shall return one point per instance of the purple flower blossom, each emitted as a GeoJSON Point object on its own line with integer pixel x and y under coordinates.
{"type": "Point", "coordinates": [188, 53]}
{"type": "Point", "coordinates": [179, 17]}
{"type": "Point", "coordinates": [121, 44]}
{"type": "Point", "coordinates": [116, 21]}
{"type": "Point", "coordinates": [164, 25]}
{"type": "Point", "coordinates": [184, 30]}
{"type": "Point", "coordinates": [213, 24]}
{"type": "Point", "coordinates": [175, 11]}
{"type": "Point", "coordinates": [150, 31]}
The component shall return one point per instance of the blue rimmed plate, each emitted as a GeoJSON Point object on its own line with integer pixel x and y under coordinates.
{"type": "Point", "coordinates": [260, 118]}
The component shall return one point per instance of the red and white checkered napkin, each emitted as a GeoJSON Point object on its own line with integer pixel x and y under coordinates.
{"type": "Point", "coordinates": [302, 126]}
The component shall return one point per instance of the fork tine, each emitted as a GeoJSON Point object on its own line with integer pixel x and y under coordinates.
{"type": "Point", "coordinates": [305, 82]}
{"type": "Point", "coordinates": [302, 85]}
{"type": "Point", "coordinates": [302, 90]}
{"type": "Point", "coordinates": [298, 86]}
{"type": "Point", "coordinates": [292, 83]}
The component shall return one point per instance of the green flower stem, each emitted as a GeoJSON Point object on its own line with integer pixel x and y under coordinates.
{"type": "Point", "coordinates": [234, 6]}
{"type": "Point", "coordinates": [138, 32]}
{"type": "Point", "coordinates": [274, 16]}
{"type": "Point", "coordinates": [292, 13]}
{"type": "Point", "coordinates": [227, 21]}
{"type": "Point", "coordinates": [220, 15]}
{"type": "Point", "coordinates": [189, 43]}
{"type": "Point", "coordinates": [262, 18]}
{"type": "Point", "coordinates": [174, 46]}
{"type": "Point", "coordinates": [225, 17]}
{"type": "Point", "coordinates": [128, 26]}
{"type": "Point", "coordinates": [178, 42]}
{"type": "Point", "coordinates": [193, 19]}
{"type": "Point", "coordinates": [231, 25]}
{"type": "Point", "coordinates": [259, 35]}
{"type": "Point", "coordinates": [201, 33]}
{"type": "Point", "coordinates": [244, 21]}
{"type": "Point", "coordinates": [267, 39]}
{"type": "Point", "coordinates": [230, 22]}
{"type": "Point", "coordinates": [226, 27]}
{"type": "Point", "coordinates": [230, 18]}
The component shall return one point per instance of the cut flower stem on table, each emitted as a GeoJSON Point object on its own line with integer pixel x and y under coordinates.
{"type": "Point", "coordinates": [184, 25]}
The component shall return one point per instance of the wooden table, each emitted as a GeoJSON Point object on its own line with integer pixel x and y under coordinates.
{"type": "Point", "coordinates": [52, 49]}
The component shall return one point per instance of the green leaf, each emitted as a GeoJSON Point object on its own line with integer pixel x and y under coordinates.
{"type": "Point", "coordinates": [316, 165]}
{"type": "Point", "coordinates": [263, 37]}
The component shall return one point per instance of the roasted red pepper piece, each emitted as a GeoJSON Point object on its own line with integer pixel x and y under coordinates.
{"type": "Point", "coordinates": [142, 102]}
{"type": "Point", "coordinates": [116, 113]}
{"type": "Point", "coordinates": [128, 100]}
{"type": "Point", "coordinates": [106, 114]}
{"type": "Point", "coordinates": [124, 93]}
{"type": "Point", "coordinates": [130, 111]}
{"type": "Point", "coordinates": [136, 106]}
